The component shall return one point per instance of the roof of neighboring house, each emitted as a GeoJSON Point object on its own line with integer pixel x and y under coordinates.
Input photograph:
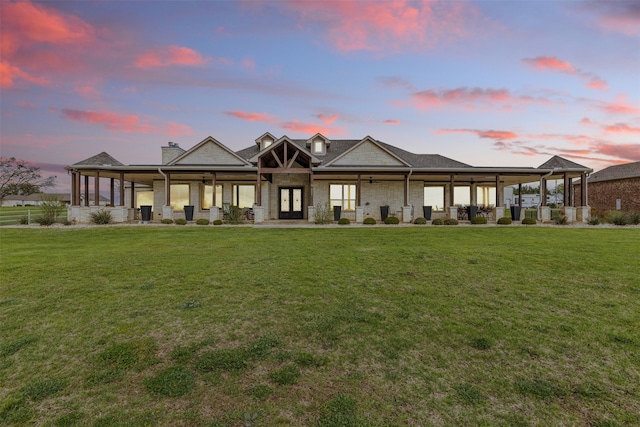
{"type": "Point", "coordinates": [102, 159]}
{"type": "Point", "coordinates": [36, 197]}
{"type": "Point", "coordinates": [557, 162]}
{"type": "Point", "coordinates": [625, 171]}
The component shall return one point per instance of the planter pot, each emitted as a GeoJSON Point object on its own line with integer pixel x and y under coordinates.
{"type": "Point", "coordinates": [337, 210]}
{"type": "Point", "coordinates": [188, 213]}
{"type": "Point", "coordinates": [426, 210]}
{"type": "Point", "coordinates": [473, 212]}
{"type": "Point", "coordinates": [384, 212]}
{"type": "Point", "coordinates": [145, 211]}
{"type": "Point", "coordinates": [515, 213]}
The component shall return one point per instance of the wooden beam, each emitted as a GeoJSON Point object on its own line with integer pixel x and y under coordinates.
{"type": "Point", "coordinates": [286, 170]}
{"type": "Point", "coordinates": [277, 159]}
{"type": "Point", "coordinates": [167, 190]}
{"type": "Point", "coordinates": [358, 188]}
{"type": "Point", "coordinates": [133, 194]}
{"type": "Point", "coordinates": [96, 189]}
{"type": "Point", "coordinates": [293, 159]}
{"type": "Point", "coordinates": [86, 190]}
{"type": "Point", "coordinates": [498, 199]}
{"type": "Point", "coordinates": [121, 188]}
{"type": "Point", "coordinates": [213, 184]}
{"type": "Point", "coordinates": [451, 187]}
{"type": "Point", "coordinates": [311, 189]}
{"type": "Point", "coordinates": [583, 190]}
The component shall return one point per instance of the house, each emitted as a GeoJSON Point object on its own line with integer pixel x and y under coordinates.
{"type": "Point", "coordinates": [613, 188]}
{"type": "Point", "coordinates": [280, 178]}
{"type": "Point", "coordinates": [34, 199]}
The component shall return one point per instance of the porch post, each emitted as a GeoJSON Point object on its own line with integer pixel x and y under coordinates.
{"type": "Point", "coordinates": [520, 194]}
{"type": "Point", "coordinates": [121, 188]}
{"type": "Point", "coordinates": [358, 187]}
{"type": "Point", "coordinates": [73, 188]}
{"type": "Point", "coordinates": [78, 188]}
{"type": "Point", "coordinates": [498, 198]}
{"type": "Point", "coordinates": [167, 189]}
{"type": "Point", "coordinates": [133, 194]}
{"type": "Point", "coordinates": [213, 184]}
{"type": "Point", "coordinates": [406, 190]}
{"type": "Point", "coordinates": [96, 189]}
{"type": "Point", "coordinates": [311, 184]}
{"type": "Point", "coordinates": [583, 190]}
{"type": "Point", "coordinates": [543, 193]}
{"type": "Point", "coordinates": [258, 189]}
{"type": "Point", "coordinates": [112, 193]}
{"type": "Point", "coordinates": [451, 185]}
{"type": "Point", "coordinates": [566, 200]}
{"type": "Point", "coordinates": [86, 190]}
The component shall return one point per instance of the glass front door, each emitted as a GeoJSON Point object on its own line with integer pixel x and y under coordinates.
{"type": "Point", "coordinates": [291, 203]}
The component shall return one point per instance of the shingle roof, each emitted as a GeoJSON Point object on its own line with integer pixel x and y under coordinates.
{"type": "Point", "coordinates": [625, 171]}
{"type": "Point", "coordinates": [557, 162]}
{"type": "Point", "coordinates": [102, 159]}
{"type": "Point", "coordinates": [339, 146]}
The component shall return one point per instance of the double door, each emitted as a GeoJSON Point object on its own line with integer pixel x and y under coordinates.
{"type": "Point", "coordinates": [291, 203]}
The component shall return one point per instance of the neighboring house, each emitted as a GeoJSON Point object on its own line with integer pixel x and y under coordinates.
{"type": "Point", "coordinates": [34, 199]}
{"type": "Point", "coordinates": [614, 188]}
{"type": "Point", "coordinates": [284, 178]}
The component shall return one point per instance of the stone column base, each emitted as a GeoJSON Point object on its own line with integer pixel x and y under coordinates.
{"type": "Point", "coordinates": [583, 213]}
{"type": "Point", "coordinates": [406, 214]}
{"type": "Point", "coordinates": [311, 214]}
{"type": "Point", "coordinates": [570, 213]}
{"type": "Point", "coordinates": [258, 214]}
{"type": "Point", "coordinates": [359, 214]}
{"type": "Point", "coordinates": [214, 213]}
{"type": "Point", "coordinates": [544, 213]}
{"type": "Point", "coordinates": [453, 212]}
{"type": "Point", "coordinates": [167, 212]}
{"type": "Point", "coordinates": [498, 212]}
{"type": "Point", "coordinates": [119, 213]}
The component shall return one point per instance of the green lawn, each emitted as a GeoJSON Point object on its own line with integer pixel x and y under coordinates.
{"type": "Point", "coordinates": [223, 326]}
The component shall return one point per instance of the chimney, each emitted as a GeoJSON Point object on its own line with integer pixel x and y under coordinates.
{"type": "Point", "coordinates": [171, 152]}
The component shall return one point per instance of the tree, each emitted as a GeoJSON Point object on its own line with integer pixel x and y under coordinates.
{"type": "Point", "coordinates": [18, 177]}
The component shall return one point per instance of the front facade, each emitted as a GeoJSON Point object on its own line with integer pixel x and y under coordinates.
{"type": "Point", "coordinates": [286, 179]}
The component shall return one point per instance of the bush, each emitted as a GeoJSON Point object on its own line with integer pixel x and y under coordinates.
{"type": "Point", "coordinates": [167, 221]}
{"type": "Point", "coordinates": [450, 221]}
{"type": "Point", "coordinates": [529, 221]}
{"type": "Point", "coordinates": [391, 220]}
{"type": "Point", "coordinates": [634, 218]}
{"type": "Point", "coordinates": [322, 214]}
{"type": "Point", "coordinates": [181, 221]}
{"type": "Point", "coordinates": [420, 220]}
{"type": "Point", "coordinates": [504, 220]}
{"type": "Point", "coordinates": [369, 221]}
{"type": "Point", "coordinates": [562, 220]}
{"type": "Point", "coordinates": [217, 222]}
{"type": "Point", "coordinates": [24, 220]}
{"type": "Point", "coordinates": [101, 217]}
{"type": "Point", "coordinates": [344, 221]}
{"type": "Point", "coordinates": [594, 220]}
{"type": "Point", "coordinates": [617, 218]}
{"type": "Point", "coordinates": [437, 221]}
{"type": "Point", "coordinates": [479, 220]}
{"type": "Point", "coordinates": [234, 215]}
{"type": "Point", "coordinates": [202, 221]}
{"type": "Point", "coordinates": [45, 220]}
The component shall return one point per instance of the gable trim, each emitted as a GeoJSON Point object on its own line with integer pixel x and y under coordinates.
{"type": "Point", "coordinates": [203, 142]}
{"type": "Point", "coordinates": [374, 142]}
{"type": "Point", "coordinates": [279, 142]}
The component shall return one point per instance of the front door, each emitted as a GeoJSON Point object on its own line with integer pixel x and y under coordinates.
{"type": "Point", "coordinates": [291, 203]}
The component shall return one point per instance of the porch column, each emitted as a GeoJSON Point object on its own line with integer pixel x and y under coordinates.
{"type": "Point", "coordinates": [566, 200]}
{"type": "Point", "coordinates": [543, 193]}
{"type": "Point", "coordinates": [406, 190]}
{"type": "Point", "coordinates": [121, 188]}
{"type": "Point", "coordinates": [583, 190]}
{"type": "Point", "coordinates": [86, 190]}
{"type": "Point", "coordinates": [570, 190]}
{"type": "Point", "coordinates": [311, 185]}
{"type": "Point", "coordinates": [133, 194]}
{"type": "Point", "coordinates": [96, 189]}
{"type": "Point", "coordinates": [213, 184]}
{"type": "Point", "coordinates": [498, 198]}
{"type": "Point", "coordinates": [112, 193]}
{"type": "Point", "coordinates": [258, 189]}
{"type": "Point", "coordinates": [358, 187]}
{"type": "Point", "coordinates": [520, 194]}
{"type": "Point", "coordinates": [78, 188]}
{"type": "Point", "coordinates": [451, 186]}
{"type": "Point", "coordinates": [73, 188]}
{"type": "Point", "coordinates": [167, 189]}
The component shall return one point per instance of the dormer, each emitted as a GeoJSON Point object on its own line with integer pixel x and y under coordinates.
{"type": "Point", "coordinates": [318, 144]}
{"type": "Point", "coordinates": [265, 141]}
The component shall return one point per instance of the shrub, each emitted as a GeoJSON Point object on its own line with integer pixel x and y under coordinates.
{"type": "Point", "coordinates": [172, 382]}
{"type": "Point", "coordinates": [504, 220]}
{"type": "Point", "coordinates": [529, 221]}
{"type": "Point", "coordinates": [594, 220]}
{"type": "Point", "coordinates": [322, 214]}
{"type": "Point", "coordinates": [101, 217]}
{"type": "Point", "coordinates": [420, 220]}
{"type": "Point", "coordinates": [369, 221]}
{"type": "Point", "coordinates": [45, 220]}
{"type": "Point", "coordinates": [634, 218]}
{"type": "Point", "coordinates": [217, 222]}
{"type": "Point", "coordinates": [167, 221]}
{"type": "Point", "coordinates": [24, 220]}
{"type": "Point", "coordinates": [181, 221]}
{"type": "Point", "coordinates": [437, 221]}
{"type": "Point", "coordinates": [450, 221]}
{"type": "Point", "coordinates": [391, 220]}
{"type": "Point", "coordinates": [202, 221]}
{"type": "Point", "coordinates": [479, 220]}
{"type": "Point", "coordinates": [65, 221]}
{"type": "Point", "coordinates": [562, 220]}
{"type": "Point", "coordinates": [234, 215]}
{"type": "Point", "coordinates": [344, 221]}
{"type": "Point", "coordinates": [50, 205]}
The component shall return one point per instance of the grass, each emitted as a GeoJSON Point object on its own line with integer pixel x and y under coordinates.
{"type": "Point", "coordinates": [320, 327]}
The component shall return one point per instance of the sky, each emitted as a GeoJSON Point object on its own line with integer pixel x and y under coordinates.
{"type": "Point", "coordinates": [488, 83]}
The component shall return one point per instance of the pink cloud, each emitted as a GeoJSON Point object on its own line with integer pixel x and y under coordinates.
{"type": "Point", "coordinates": [381, 25]}
{"type": "Point", "coordinates": [294, 125]}
{"type": "Point", "coordinates": [391, 122]}
{"type": "Point", "coordinates": [327, 119]}
{"type": "Point", "coordinates": [10, 74]}
{"type": "Point", "coordinates": [620, 106]}
{"type": "Point", "coordinates": [248, 63]}
{"type": "Point", "coordinates": [621, 128]}
{"type": "Point", "coordinates": [587, 121]}
{"type": "Point", "coordinates": [87, 92]}
{"type": "Point", "coordinates": [170, 55]}
{"type": "Point", "coordinates": [554, 64]}
{"type": "Point", "coordinates": [27, 105]}
{"type": "Point", "coordinates": [251, 117]}
{"type": "Point", "coordinates": [309, 128]}
{"type": "Point", "coordinates": [471, 98]}
{"type": "Point", "coordinates": [616, 16]}
{"type": "Point", "coordinates": [490, 134]}
{"type": "Point", "coordinates": [127, 123]}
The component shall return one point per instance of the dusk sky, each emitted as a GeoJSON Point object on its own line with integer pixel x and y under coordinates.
{"type": "Point", "coordinates": [488, 83]}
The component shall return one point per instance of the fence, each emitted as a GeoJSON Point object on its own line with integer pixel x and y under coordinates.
{"type": "Point", "coordinates": [24, 215]}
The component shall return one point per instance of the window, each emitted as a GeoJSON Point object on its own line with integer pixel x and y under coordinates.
{"type": "Point", "coordinates": [179, 196]}
{"type": "Point", "coordinates": [434, 197]}
{"type": "Point", "coordinates": [462, 196]}
{"type": "Point", "coordinates": [342, 195]}
{"type": "Point", "coordinates": [486, 196]}
{"type": "Point", "coordinates": [144, 198]}
{"type": "Point", "coordinates": [207, 196]}
{"type": "Point", "coordinates": [243, 196]}
{"type": "Point", "coordinates": [266, 142]}
{"type": "Point", "coordinates": [318, 146]}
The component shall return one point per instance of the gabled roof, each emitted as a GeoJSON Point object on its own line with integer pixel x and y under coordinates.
{"type": "Point", "coordinates": [261, 137]}
{"type": "Point", "coordinates": [209, 149]}
{"type": "Point", "coordinates": [102, 159]}
{"type": "Point", "coordinates": [256, 155]}
{"type": "Point", "coordinates": [625, 171]}
{"type": "Point", "coordinates": [557, 162]}
{"type": "Point", "coordinates": [391, 158]}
